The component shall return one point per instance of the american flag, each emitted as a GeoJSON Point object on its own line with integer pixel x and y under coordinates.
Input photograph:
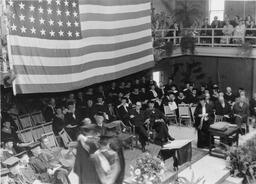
{"type": "Point", "coordinates": [62, 45]}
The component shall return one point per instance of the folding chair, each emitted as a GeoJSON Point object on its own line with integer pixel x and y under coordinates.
{"type": "Point", "coordinates": [37, 132]}
{"type": "Point", "coordinates": [218, 118]}
{"type": "Point", "coordinates": [171, 115]}
{"type": "Point", "coordinates": [52, 139]}
{"type": "Point", "coordinates": [184, 113]}
{"type": "Point", "coordinates": [25, 121]}
{"type": "Point", "coordinates": [47, 127]}
{"type": "Point", "coordinates": [26, 135]}
{"type": "Point", "coordinates": [37, 118]}
{"type": "Point", "coordinates": [65, 137]}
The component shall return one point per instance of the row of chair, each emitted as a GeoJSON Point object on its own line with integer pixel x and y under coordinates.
{"type": "Point", "coordinates": [28, 120]}
{"type": "Point", "coordinates": [186, 112]}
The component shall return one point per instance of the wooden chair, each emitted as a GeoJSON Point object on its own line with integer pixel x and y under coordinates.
{"type": "Point", "coordinates": [47, 127]}
{"type": "Point", "coordinates": [65, 137]}
{"type": "Point", "coordinates": [37, 118]}
{"type": "Point", "coordinates": [25, 135]}
{"type": "Point", "coordinates": [25, 121]}
{"type": "Point", "coordinates": [171, 115]}
{"type": "Point", "coordinates": [52, 139]}
{"type": "Point", "coordinates": [184, 113]}
{"type": "Point", "coordinates": [218, 118]}
{"type": "Point", "coordinates": [37, 132]}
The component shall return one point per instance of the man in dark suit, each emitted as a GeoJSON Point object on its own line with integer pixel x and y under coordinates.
{"type": "Point", "coordinates": [49, 112]}
{"type": "Point", "coordinates": [71, 120]}
{"type": "Point", "coordinates": [123, 111]}
{"type": "Point", "coordinates": [100, 105]}
{"type": "Point", "coordinates": [139, 120]}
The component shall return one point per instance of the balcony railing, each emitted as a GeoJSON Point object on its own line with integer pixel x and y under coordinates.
{"type": "Point", "coordinates": [210, 39]}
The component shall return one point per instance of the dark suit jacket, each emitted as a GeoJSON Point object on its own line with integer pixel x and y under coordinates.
{"type": "Point", "coordinates": [123, 114]}
{"type": "Point", "coordinates": [198, 111]}
{"type": "Point", "coordinates": [222, 110]}
{"type": "Point", "coordinates": [139, 118]}
{"type": "Point", "coordinates": [49, 114]}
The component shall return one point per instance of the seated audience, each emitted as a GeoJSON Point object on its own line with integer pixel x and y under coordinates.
{"type": "Point", "coordinates": [58, 121]}
{"type": "Point", "coordinates": [217, 25]}
{"type": "Point", "coordinates": [229, 96]}
{"type": "Point", "coordinates": [139, 120]}
{"type": "Point", "coordinates": [123, 111]}
{"type": "Point", "coordinates": [253, 109]}
{"type": "Point", "coordinates": [239, 33]}
{"type": "Point", "coordinates": [181, 99]}
{"type": "Point", "coordinates": [227, 31]}
{"type": "Point", "coordinates": [50, 110]}
{"type": "Point", "coordinates": [71, 120]}
{"type": "Point", "coordinates": [241, 113]}
{"type": "Point", "coordinates": [222, 108]}
{"type": "Point", "coordinates": [206, 25]}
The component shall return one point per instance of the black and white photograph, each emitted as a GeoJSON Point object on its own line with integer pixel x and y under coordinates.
{"type": "Point", "coordinates": [128, 91]}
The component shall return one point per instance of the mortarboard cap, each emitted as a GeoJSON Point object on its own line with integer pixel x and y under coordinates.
{"type": "Point", "coordinates": [11, 162]}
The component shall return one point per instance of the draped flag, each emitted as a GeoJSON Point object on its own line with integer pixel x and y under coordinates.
{"type": "Point", "coordinates": [61, 45]}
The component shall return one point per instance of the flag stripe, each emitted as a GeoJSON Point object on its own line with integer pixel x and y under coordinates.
{"type": "Point", "coordinates": [73, 77]}
{"type": "Point", "coordinates": [56, 70]}
{"type": "Point", "coordinates": [113, 17]}
{"type": "Point", "coordinates": [114, 24]}
{"type": "Point", "coordinates": [32, 51]}
{"type": "Point", "coordinates": [64, 61]}
{"type": "Point", "coordinates": [67, 44]}
{"type": "Point", "coordinates": [89, 8]}
{"type": "Point", "coordinates": [113, 32]}
{"type": "Point", "coordinates": [113, 2]}
{"type": "Point", "coordinates": [38, 88]}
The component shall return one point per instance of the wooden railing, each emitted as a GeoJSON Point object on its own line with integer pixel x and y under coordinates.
{"type": "Point", "coordinates": [211, 40]}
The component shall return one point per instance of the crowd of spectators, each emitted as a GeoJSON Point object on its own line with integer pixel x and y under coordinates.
{"type": "Point", "coordinates": [139, 102]}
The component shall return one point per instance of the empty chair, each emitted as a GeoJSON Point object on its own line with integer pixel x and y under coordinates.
{"type": "Point", "coordinates": [218, 118]}
{"type": "Point", "coordinates": [25, 121]}
{"type": "Point", "coordinates": [37, 118]}
{"type": "Point", "coordinates": [37, 132]}
{"type": "Point", "coordinates": [184, 113]}
{"type": "Point", "coordinates": [26, 135]}
{"type": "Point", "coordinates": [52, 139]}
{"type": "Point", "coordinates": [171, 115]}
{"type": "Point", "coordinates": [47, 127]}
{"type": "Point", "coordinates": [65, 138]}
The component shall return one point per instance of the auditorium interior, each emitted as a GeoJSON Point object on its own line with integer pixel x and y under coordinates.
{"type": "Point", "coordinates": [128, 92]}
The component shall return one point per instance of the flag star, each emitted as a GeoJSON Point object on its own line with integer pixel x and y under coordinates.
{"type": "Point", "coordinates": [52, 33]}
{"type": "Point", "coordinates": [51, 22]}
{"type": "Point", "coordinates": [31, 8]}
{"type": "Point", "coordinates": [58, 12]}
{"type": "Point", "coordinates": [66, 3]}
{"type": "Point", "coordinates": [40, 9]}
{"type": "Point", "coordinates": [13, 16]}
{"type": "Point", "coordinates": [41, 20]}
{"type": "Point", "coordinates": [21, 5]}
{"type": "Point", "coordinates": [49, 1]}
{"type": "Point", "coordinates": [40, 1]}
{"type": "Point", "coordinates": [60, 23]}
{"type": "Point", "coordinates": [58, 2]}
{"type": "Point", "coordinates": [22, 17]}
{"type": "Point", "coordinates": [42, 32]}
{"type": "Point", "coordinates": [74, 4]}
{"type": "Point", "coordinates": [23, 29]}
{"type": "Point", "coordinates": [33, 30]}
{"type": "Point", "coordinates": [68, 24]}
{"type": "Point", "coordinates": [67, 13]}
{"type": "Point", "coordinates": [11, 3]}
{"type": "Point", "coordinates": [13, 27]}
{"type": "Point", "coordinates": [32, 19]}
{"type": "Point", "coordinates": [69, 34]}
{"type": "Point", "coordinates": [61, 33]}
{"type": "Point", "coordinates": [75, 14]}
{"type": "Point", "coordinates": [49, 11]}
{"type": "Point", "coordinates": [76, 23]}
{"type": "Point", "coordinates": [77, 34]}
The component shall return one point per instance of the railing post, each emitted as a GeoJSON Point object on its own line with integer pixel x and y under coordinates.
{"type": "Point", "coordinates": [174, 40]}
{"type": "Point", "coordinates": [212, 37]}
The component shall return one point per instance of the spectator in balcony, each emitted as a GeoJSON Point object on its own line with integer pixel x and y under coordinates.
{"type": "Point", "coordinates": [174, 32]}
{"type": "Point", "coordinates": [235, 21]}
{"type": "Point", "coordinates": [239, 32]}
{"type": "Point", "coordinates": [206, 25]}
{"type": "Point", "coordinates": [216, 25]}
{"type": "Point", "coordinates": [227, 31]}
{"type": "Point", "coordinates": [251, 32]}
{"type": "Point", "coordinates": [248, 20]}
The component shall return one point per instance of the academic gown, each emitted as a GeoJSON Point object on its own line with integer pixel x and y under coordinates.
{"type": "Point", "coordinates": [84, 166]}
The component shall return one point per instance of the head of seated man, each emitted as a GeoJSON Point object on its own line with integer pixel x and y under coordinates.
{"type": "Point", "coordinates": [45, 143]}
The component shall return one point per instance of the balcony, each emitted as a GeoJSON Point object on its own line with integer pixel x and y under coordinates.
{"type": "Point", "coordinates": [210, 44]}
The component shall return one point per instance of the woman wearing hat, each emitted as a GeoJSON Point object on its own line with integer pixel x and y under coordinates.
{"type": "Point", "coordinates": [204, 117]}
